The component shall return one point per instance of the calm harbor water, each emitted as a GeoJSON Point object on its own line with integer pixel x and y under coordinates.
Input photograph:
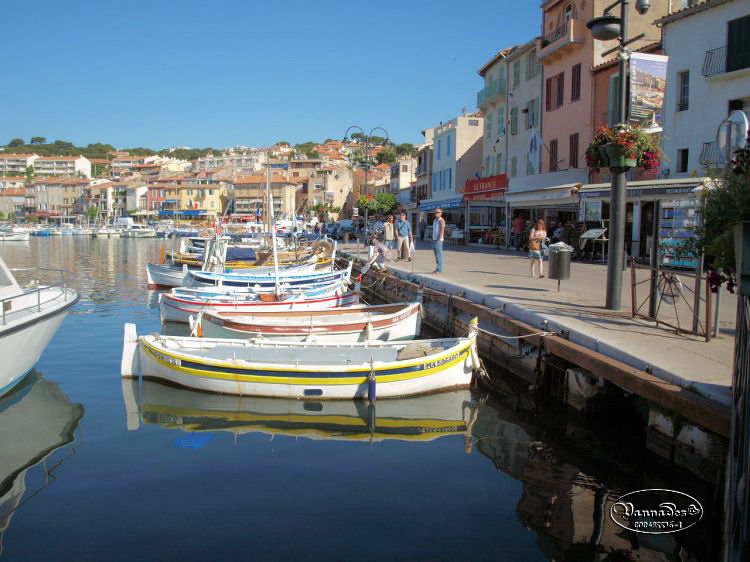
{"type": "Point", "coordinates": [96, 468]}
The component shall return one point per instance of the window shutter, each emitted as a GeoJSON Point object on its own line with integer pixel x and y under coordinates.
{"type": "Point", "coordinates": [560, 88]}
{"type": "Point", "coordinates": [548, 94]}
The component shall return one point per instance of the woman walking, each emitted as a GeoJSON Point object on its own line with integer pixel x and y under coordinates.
{"type": "Point", "coordinates": [537, 236]}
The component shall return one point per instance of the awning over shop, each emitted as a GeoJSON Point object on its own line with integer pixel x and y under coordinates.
{"type": "Point", "coordinates": [558, 196]}
{"type": "Point", "coordinates": [655, 189]}
{"type": "Point", "coordinates": [486, 188]}
{"type": "Point", "coordinates": [183, 213]}
{"type": "Point", "coordinates": [432, 204]}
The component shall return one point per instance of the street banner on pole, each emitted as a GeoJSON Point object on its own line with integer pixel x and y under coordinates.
{"type": "Point", "coordinates": [648, 78]}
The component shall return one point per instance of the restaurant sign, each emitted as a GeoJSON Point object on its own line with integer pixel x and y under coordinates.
{"type": "Point", "coordinates": [486, 188]}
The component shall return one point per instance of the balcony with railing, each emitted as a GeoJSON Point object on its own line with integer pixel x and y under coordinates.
{"type": "Point", "coordinates": [711, 155]}
{"type": "Point", "coordinates": [561, 41]}
{"type": "Point", "coordinates": [721, 61]}
{"type": "Point", "coordinates": [494, 92]}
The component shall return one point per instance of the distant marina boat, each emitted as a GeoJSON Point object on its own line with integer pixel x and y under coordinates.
{"type": "Point", "coordinates": [258, 367]}
{"type": "Point", "coordinates": [30, 317]}
{"type": "Point", "coordinates": [11, 236]}
{"type": "Point", "coordinates": [138, 231]}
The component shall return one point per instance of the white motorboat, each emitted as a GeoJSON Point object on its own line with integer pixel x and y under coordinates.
{"type": "Point", "coordinates": [138, 231]}
{"type": "Point", "coordinates": [28, 320]}
{"type": "Point", "coordinates": [13, 236]}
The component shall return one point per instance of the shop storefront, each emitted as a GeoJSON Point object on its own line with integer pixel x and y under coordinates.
{"type": "Point", "coordinates": [453, 213]}
{"type": "Point", "coordinates": [485, 210]}
{"type": "Point", "coordinates": [677, 218]}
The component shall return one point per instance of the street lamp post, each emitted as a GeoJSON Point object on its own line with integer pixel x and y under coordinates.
{"type": "Point", "coordinates": [366, 140]}
{"type": "Point", "coordinates": [606, 28]}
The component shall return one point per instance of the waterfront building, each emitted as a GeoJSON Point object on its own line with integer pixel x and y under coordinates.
{"type": "Point", "coordinates": [12, 182]}
{"type": "Point", "coordinates": [60, 195]}
{"type": "Point", "coordinates": [249, 194]}
{"type": "Point", "coordinates": [332, 184]}
{"type": "Point", "coordinates": [457, 158]}
{"type": "Point", "coordinates": [12, 200]}
{"type": "Point", "coordinates": [239, 161]}
{"type": "Point", "coordinates": [568, 52]}
{"type": "Point", "coordinates": [202, 200]}
{"type": "Point", "coordinates": [422, 189]}
{"type": "Point", "coordinates": [403, 176]}
{"type": "Point", "coordinates": [62, 166]}
{"type": "Point", "coordinates": [708, 77]}
{"type": "Point", "coordinates": [510, 101]}
{"type": "Point", "coordinates": [16, 164]}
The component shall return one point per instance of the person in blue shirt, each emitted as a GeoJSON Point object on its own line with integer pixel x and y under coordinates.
{"type": "Point", "coordinates": [404, 237]}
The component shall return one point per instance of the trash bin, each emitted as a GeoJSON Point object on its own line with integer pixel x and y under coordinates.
{"type": "Point", "coordinates": [559, 260]}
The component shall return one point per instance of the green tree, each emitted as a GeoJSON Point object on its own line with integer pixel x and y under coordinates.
{"type": "Point", "coordinates": [282, 143]}
{"type": "Point", "coordinates": [406, 149]}
{"type": "Point", "coordinates": [383, 203]}
{"type": "Point", "coordinates": [30, 173]}
{"type": "Point", "coordinates": [386, 156]}
{"type": "Point", "coordinates": [725, 205]}
{"type": "Point", "coordinates": [16, 142]}
{"type": "Point", "coordinates": [38, 140]}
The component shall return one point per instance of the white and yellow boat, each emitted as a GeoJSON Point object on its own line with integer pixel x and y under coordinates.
{"type": "Point", "coordinates": [258, 367]}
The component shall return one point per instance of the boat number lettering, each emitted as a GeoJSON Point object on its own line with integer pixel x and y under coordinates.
{"type": "Point", "coordinates": [168, 359]}
{"type": "Point", "coordinates": [439, 362]}
{"type": "Point", "coordinates": [399, 318]}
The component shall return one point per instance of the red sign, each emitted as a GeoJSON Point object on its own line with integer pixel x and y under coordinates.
{"type": "Point", "coordinates": [486, 188]}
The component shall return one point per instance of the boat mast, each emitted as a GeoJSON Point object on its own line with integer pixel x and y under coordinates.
{"type": "Point", "coordinates": [272, 220]}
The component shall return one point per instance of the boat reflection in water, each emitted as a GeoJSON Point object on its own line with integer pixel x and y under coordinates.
{"type": "Point", "coordinates": [421, 418]}
{"type": "Point", "coordinates": [35, 420]}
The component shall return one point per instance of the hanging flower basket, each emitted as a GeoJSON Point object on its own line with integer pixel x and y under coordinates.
{"type": "Point", "coordinates": [628, 146]}
{"type": "Point", "coordinates": [619, 156]}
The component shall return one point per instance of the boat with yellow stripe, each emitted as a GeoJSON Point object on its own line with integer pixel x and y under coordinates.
{"type": "Point", "coordinates": [416, 418]}
{"type": "Point", "coordinates": [259, 367]}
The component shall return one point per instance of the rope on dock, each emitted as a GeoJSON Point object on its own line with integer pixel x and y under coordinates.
{"type": "Point", "coordinates": [540, 334]}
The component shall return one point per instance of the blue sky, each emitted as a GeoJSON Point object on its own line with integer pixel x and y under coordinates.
{"type": "Point", "coordinates": [167, 73]}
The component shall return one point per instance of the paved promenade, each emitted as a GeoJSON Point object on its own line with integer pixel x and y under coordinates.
{"type": "Point", "coordinates": [501, 279]}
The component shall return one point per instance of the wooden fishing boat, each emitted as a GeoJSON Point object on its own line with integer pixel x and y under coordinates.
{"type": "Point", "coordinates": [28, 320]}
{"type": "Point", "coordinates": [386, 322]}
{"type": "Point", "coordinates": [415, 419]}
{"type": "Point", "coordinates": [161, 276]}
{"type": "Point", "coordinates": [258, 367]}
{"type": "Point", "coordinates": [264, 282]}
{"type": "Point", "coordinates": [181, 302]}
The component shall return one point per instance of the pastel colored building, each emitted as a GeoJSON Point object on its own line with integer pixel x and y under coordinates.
{"type": "Point", "coordinates": [568, 52]}
{"type": "Point", "coordinates": [708, 77]}
{"type": "Point", "coordinates": [62, 166]}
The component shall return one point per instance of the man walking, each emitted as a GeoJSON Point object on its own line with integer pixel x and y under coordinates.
{"type": "Point", "coordinates": [517, 227]}
{"type": "Point", "coordinates": [404, 237]}
{"type": "Point", "coordinates": [438, 233]}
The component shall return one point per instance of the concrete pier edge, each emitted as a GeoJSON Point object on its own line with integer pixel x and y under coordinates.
{"type": "Point", "coordinates": [708, 409]}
